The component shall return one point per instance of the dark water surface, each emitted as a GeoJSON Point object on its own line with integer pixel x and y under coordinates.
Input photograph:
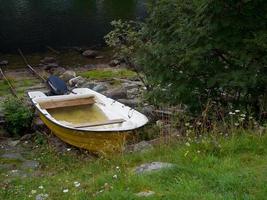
{"type": "Point", "coordinates": [33, 24]}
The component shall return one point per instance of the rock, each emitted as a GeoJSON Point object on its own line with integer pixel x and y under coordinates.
{"type": "Point", "coordinates": [100, 88]}
{"type": "Point", "coordinates": [153, 166]}
{"type": "Point", "coordinates": [90, 66]}
{"type": "Point", "coordinates": [77, 81]}
{"type": "Point", "coordinates": [41, 196]}
{"type": "Point", "coordinates": [13, 143]}
{"type": "Point", "coordinates": [145, 193]}
{"type": "Point", "coordinates": [117, 93]}
{"type": "Point", "coordinates": [148, 111]}
{"type": "Point", "coordinates": [30, 164]}
{"type": "Point", "coordinates": [89, 53]}
{"type": "Point", "coordinates": [50, 66]}
{"type": "Point", "coordinates": [142, 146]}
{"type": "Point", "coordinates": [89, 85]}
{"type": "Point", "coordinates": [79, 49]}
{"type": "Point", "coordinates": [3, 62]}
{"type": "Point", "coordinates": [67, 75]}
{"type": "Point", "coordinates": [130, 102]}
{"type": "Point", "coordinates": [129, 86]}
{"type": "Point", "coordinates": [26, 137]}
{"type": "Point", "coordinates": [12, 156]}
{"type": "Point", "coordinates": [132, 93]}
{"type": "Point", "coordinates": [17, 173]}
{"type": "Point", "coordinates": [114, 63]}
{"type": "Point", "coordinates": [48, 60]}
{"type": "Point", "coordinates": [57, 71]}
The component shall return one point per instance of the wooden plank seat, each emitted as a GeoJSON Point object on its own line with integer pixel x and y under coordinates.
{"type": "Point", "coordinates": [112, 121]}
{"type": "Point", "coordinates": [59, 103]}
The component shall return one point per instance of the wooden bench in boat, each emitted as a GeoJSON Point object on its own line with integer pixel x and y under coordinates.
{"type": "Point", "coordinates": [112, 121]}
{"type": "Point", "coordinates": [59, 103]}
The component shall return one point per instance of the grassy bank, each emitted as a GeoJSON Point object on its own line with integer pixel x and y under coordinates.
{"type": "Point", "coordinates": [102, 74]}
{"type": "Point", "coordinates": [232, 167]}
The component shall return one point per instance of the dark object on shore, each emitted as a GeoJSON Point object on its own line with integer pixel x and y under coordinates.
{"type": "Point", "coordinates": [57, 86]}
{"type": "Point", "coordinates": [89, 53]}
{"type": "Point", "coordinates": [3, 62]}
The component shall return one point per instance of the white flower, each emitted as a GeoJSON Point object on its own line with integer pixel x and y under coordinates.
{"type": "Point", "coordinates": [187, 124]}
{"type": "Point", "coordinates": [237, 111]}
{"type": "Point", "coordinates": [65, 190]}
{"type": "Point", "coordinates": [231, 113]}
{"type": "Point", "coordinates": [41, 187]}
{"type": "Point", "coordinates": [115, 176]}
{"type": "Point", "coordinates": [68, 149]}
{"type": "Point", "coordinates": [236, 124]}
{"type": "Point", "coordinates": [241, 119]}
{"type": "Point", "coordinates": [76, 184]}
{"type": "Point", "coordinates": [33, 191]}
{"type": "Point", "coordinates": [198, 151]}
{"type": "Point", "coordinates": [199, 123]}
{"type": "Point", "coordinates": [242, 115]}
{"type": "Point", "coordinates": [250, 117]}
{"type": "Point", "coordinates": [187, 144]}
{"type": "Point", "coordinates": [181, 72]}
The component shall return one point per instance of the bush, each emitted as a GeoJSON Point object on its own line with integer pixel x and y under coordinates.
{"type": "Point", "coordinates": [18, 116]}
{"type": "Point", "coordinates": [204, 52]}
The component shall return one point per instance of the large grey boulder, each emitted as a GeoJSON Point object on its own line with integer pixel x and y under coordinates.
{"type": "Point", "coordinates": [67, 75]}
{"type": "Point", "coordinates": [89, 53]}
{"type": "Point", "coordinates": [153, 166]}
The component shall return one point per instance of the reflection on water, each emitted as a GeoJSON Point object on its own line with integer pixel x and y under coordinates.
{"type": "Point", "coordinates": [34, 24]}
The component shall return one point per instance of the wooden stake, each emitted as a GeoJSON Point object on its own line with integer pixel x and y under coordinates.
{"type": "Point", "coordinates": [30, 67]}
{"type": "Point", "coordinates": [9, 84]}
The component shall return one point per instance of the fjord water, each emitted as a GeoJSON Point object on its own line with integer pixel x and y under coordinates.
{"type": "Point", "coordinates": [33, 24]}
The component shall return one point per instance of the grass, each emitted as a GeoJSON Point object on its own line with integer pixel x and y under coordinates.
{"type": "Point", "coordinates": [101, 74]}
{"type": "Point", "coordinates": [215, 168]}
{"type": "Point", "coordinates": [19, 85]}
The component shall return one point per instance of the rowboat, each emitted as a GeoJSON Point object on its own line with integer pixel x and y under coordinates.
{"type": "Point", "coordinates": [88, 119]}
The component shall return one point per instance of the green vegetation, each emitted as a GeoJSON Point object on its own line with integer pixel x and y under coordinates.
{"type": "Point", "coordinates": [19, 85]}
{"type": "Point", "coordinates": [197, 52]}
{"type": "Point", "coordinates": [18, 116]}
{"type": "Point", "coordinates": [108, 74]}
{"type": "Point", "coordinates": [230, 167]}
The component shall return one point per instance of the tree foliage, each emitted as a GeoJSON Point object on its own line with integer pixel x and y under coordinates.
{"type": "Point", "coordinates": [203, 51]}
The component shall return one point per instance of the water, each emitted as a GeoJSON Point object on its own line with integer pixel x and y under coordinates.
{"type": "Point", "coordinates": [79, 114]}
{"type": "Point", "coordinates": [33, 24]}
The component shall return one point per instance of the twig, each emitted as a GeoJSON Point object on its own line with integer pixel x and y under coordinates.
{"type": "Point", "coordinates": [52, 49]}
{"type": "Point", "coordinates": [30, 67]}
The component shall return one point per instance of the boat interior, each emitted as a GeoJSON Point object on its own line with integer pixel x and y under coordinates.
{"type": "Point", "coordinates": [78, 112]}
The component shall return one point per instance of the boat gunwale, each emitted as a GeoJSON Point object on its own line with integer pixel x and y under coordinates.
{"type": "Point", "coordinates": [37, 106]}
